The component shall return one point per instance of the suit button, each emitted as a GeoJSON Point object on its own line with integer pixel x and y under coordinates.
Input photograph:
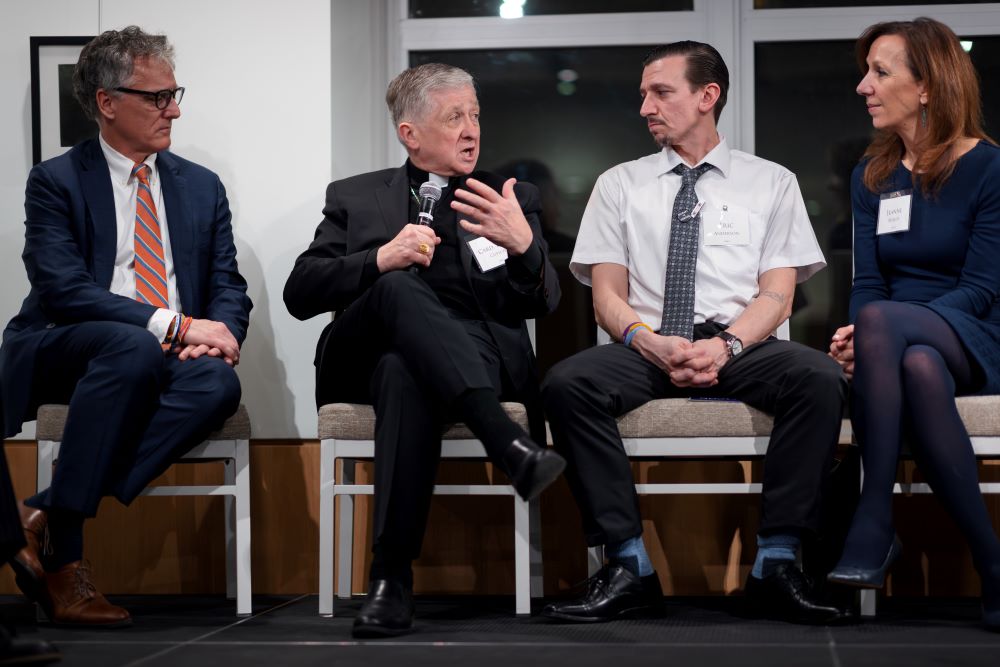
{"type": "Point", "coordinates": [50, 325]}
{"type": "Point", "coordinates": [546, 293]}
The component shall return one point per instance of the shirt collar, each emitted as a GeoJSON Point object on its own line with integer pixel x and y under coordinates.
{"type": "Point", "coordinates": [121, 166]}
{"type": "Point", "coordinates": [718, 157]}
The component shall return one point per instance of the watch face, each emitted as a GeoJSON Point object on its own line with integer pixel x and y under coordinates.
{"type": "Point", "coordinates": [736, 346]}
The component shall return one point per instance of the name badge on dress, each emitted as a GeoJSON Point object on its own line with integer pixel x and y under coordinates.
{"type": "Point", "coordinates": [488, 254]}
{"type": "Point", "coordinates": [726, 225]}
{"type": "Point", "coordinates": [894, 212]}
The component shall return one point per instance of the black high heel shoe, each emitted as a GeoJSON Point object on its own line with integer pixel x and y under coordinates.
{"type": "Point", "coordinates": [860, 577]}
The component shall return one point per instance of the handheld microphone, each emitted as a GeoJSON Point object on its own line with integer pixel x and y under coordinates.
{"type": "Point", "coordinates": [430, 193]}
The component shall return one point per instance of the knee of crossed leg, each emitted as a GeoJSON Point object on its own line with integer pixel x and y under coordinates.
{"type": "Point", "coordinates": [396, 288]}
{"type": "Point", "coordinates": [923, 367]}
{"type": "Point", "coordinates": [138, 356]}
{"type": "Point", "coordinates": [222, 387]}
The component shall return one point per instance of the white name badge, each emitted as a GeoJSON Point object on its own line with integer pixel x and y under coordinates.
{"type": "Point", "coordinates": [725, 225]}
{"type": "Point", "coordinates": [894, 212]}
{"type": "Point", "coordinates": [488, 254]}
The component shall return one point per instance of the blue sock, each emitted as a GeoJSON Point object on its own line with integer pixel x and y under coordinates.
{"type": "Point", "coordinates": [775, 549]}
{"type": "Point", "coordinates": [632, 555]}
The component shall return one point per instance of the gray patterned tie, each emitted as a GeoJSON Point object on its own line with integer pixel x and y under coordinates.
{"type": "Point", "coordinates": [682, 257]}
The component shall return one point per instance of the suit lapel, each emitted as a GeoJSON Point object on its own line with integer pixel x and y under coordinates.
{"type": "Point", "coordinates": [179, 224]}
{"type": "Point", "coordinates": [393, 202]}
{"type": "Point", "coordinates": [95, 180]}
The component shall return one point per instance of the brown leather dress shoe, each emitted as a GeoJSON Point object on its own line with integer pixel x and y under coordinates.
{"type": "Point", "coordinates": [27, 563]}
{"type": "Point", "coordinates": [71, 599]}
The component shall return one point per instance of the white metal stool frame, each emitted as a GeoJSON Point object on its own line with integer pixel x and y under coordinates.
{"type": "Point", "coordinates": [527, 525]}
{"type": "Point", "coordinates": [231, 445]}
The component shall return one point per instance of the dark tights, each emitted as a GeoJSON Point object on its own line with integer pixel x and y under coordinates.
{"type": "Point", "coordinates": [909, 365]}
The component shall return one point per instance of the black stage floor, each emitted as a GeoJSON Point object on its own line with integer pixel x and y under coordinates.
{"type": "Point", "coordinates": [482, 632]}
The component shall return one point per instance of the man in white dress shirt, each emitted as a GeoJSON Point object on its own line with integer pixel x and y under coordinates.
{"type": "Point", "coordinates": [693, 254]}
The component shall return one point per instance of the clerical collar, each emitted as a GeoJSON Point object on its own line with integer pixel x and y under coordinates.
{"type": "Point", "coordinates": [419, 176]}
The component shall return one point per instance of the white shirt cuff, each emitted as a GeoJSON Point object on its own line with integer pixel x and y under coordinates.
{"type": "Point", "coordinates": [160, 322]}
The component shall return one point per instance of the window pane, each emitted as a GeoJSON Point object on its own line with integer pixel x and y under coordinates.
{"type": "Point", "coordinates": [427, 9]}
{"type": "Point", "coordinates": [558, 118]}
{"type": "Point", "coordinates": [793, 4]}
{"type": "Point", "coordinates": [809, 119]}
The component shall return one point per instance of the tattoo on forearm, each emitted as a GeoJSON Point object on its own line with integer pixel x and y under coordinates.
{"type": "Point", "coordinates": [774, 296]}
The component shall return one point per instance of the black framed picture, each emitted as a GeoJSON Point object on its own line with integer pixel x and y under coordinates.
{"type": "Point", "coordinates": [57, 121]}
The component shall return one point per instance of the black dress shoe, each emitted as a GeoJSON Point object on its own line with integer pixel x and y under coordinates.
{"type": "Point", "coordinates": [613, 592]}
{"type": "Point", "coordinates": [531, 468]}
{"type": "Point", "coordinates": [386, 612]}
{"type": "Point", "coordinates": [861, 577]}
{"type": "Point", "coordinates": [788, 595]}
{"type": "Point", "coordinates": [17, 651]}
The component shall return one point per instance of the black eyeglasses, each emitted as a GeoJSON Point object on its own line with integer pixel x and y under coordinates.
{"type": "Point", "coordinates": [161, 98]}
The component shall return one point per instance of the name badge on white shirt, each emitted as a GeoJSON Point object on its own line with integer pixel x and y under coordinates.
{"type": "Point", "coordinates": [488, 254]}
{"type": "Point", "coordinates": [894, 212]}
{"type": "Point", "coordinates": [725, 225]}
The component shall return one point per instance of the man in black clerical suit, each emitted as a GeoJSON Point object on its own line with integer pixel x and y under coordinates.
{"type": "Point", "coordinates": [429, 321]}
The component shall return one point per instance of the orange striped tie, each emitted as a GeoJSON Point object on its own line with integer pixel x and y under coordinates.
{"type": "Point", "coordinates": [150, 268]}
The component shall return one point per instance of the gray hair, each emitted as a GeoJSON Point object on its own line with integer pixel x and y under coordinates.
{"type": "Point", "coordinates": [408, 95]}
{"type": "Point", "coordinates": [108, 60]}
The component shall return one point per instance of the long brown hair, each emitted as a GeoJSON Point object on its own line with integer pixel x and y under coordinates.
{"type": "Point", "coordinates": [954, 110]}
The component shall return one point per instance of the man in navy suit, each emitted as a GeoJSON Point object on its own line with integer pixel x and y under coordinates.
{"type": "Point", "coordinates": [135, 316]}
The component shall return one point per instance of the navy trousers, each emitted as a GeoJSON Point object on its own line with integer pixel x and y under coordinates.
{"type": "Point", "coordinates": [132, 410]}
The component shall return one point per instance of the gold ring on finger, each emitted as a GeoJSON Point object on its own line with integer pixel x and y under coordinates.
{"type": "Point", "coordinates": [424, 249]}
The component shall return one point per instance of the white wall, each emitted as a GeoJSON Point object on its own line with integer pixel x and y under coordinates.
{"type": "Point", "coordinates": [258, 112]}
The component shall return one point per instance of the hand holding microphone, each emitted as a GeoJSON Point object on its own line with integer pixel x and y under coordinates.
{"type": "Point", "coordinates": [430, 194]}
{"type": "Point", "coordinates": [414, 246]}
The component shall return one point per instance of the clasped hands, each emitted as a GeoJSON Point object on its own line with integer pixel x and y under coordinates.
{"type": "Point", "coordinates": [211, 338]}
{"type": "Point", "coordinates": [689, 364]}
{"type": "Point", "coordinates": [842, 349]}
{"type": "Point", "coordinates": [482, 210]}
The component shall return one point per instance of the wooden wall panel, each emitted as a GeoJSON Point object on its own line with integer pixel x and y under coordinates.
{"type": "Point", "coordinates": [699, 545]}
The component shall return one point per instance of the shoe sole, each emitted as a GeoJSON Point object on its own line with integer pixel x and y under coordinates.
{"type": "Point", "coordinates": [377, 632]}
{"type": "Point", "coordinates": [756, 611]}
{"type": "Point", "coordinates": [545, 473]}
{"type": "Point", "coordinates": [96, 626]}
{"type": "Point", "coordinates": [36, 659]}
{"type": "Point", "coordinates": [630, 612]}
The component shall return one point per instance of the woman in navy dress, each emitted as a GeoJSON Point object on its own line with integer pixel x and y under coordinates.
{"type": "Point", "coordinates": [925, 305]}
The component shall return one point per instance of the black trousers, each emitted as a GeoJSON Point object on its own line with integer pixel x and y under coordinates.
{"type": "Point", "coordinates": [398, 348]}
{"type": "Point", "coordinates": [132, 411]}
{"type": "Point", "coordinates": [802, 388]}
